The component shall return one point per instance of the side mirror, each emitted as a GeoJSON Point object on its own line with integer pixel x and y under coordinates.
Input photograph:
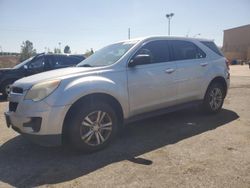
{"type": "Point", "coordinates": [140, 59]}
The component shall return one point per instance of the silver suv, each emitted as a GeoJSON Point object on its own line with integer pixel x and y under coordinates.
{"type": "Point", "coordinates": [87, 105]}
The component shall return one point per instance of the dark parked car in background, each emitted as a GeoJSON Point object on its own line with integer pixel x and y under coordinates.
{"type": "Point", "coordinates": [39, 63]}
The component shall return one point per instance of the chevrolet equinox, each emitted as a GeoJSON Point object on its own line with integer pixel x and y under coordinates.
{"type": "Point", "coordinates": [88, 104]}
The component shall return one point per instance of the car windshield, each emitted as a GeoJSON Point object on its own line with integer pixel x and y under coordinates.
{"type": "Point", "coordinates": [107, 55]}
{"type": "Point", "coordinates": [22, 63]}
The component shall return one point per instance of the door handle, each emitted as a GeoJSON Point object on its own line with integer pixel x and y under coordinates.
{"type": "Point", "coordinates": [204, 64]}
{"type": "Point", "coordinates": [169, 71]}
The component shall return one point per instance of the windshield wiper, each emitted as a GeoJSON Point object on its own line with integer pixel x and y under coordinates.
{"type": "Point", "coordinates": [85, 65]}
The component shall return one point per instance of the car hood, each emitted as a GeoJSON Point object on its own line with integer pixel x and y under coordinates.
{"type": "Point", "coordinates": [5, 70]}
{"type": "Point", "coordinates": [64, 73]}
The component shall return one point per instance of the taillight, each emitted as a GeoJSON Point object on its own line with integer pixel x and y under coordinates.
{"type": "Point", "coordinates": [227, 64]}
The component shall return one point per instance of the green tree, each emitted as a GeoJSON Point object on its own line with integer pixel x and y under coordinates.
{"type": "Point", "coordinates": [57, 51]}
{"type": "Point", "coordinates": [67, 49]}
{"type": "Point", "coordinates": [27, 50]}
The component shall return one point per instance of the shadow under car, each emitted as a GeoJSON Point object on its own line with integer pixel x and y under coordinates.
{"type": "Point", "coordinates": [23, 164]}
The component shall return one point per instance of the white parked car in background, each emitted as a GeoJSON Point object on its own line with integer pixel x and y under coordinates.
{"type": "Point", "coordinates": [129, 80]}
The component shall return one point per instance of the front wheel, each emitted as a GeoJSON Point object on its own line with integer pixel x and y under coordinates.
{"type": "Point", "coordinates": [6, 88]}
{"type": "Point", "coordinates": [93, 126]}
{"type": "Point", "coordinates": [214, 98]}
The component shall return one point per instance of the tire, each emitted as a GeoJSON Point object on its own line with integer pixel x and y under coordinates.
{"type": "Point", "coordinates": [88, 134]}
{"type": "Point", "coordinates": [6, 88]}
{"type": "Point", "coordinates": [214, 98]}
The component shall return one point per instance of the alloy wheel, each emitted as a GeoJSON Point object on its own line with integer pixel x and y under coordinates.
{"type": "Point", "coordinates": [96, 128]}
{"type": "Point", "coordinates": [215, 98]}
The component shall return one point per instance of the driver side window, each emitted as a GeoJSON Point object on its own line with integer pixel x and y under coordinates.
{"type": "Point", "coordinates": [157, 50]}
{"type": "Point", "coordinates": [37, 64]}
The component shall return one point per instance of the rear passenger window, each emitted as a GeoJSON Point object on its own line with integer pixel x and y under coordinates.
{"type": "Point", "coordinates": [158, 51]}
{"type": "Point", "coordinates": [64, 61]}
{"type": "Point", "coordinates": [186, 50]}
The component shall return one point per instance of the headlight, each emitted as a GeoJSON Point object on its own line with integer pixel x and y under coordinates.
{"type": "Point", "coordinates": [41, 90]}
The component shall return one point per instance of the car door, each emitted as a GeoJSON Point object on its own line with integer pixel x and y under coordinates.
{"type": "Point", "coordinates": [191, 67]}
{"type": "Point", "coordinates": [36, 66]}
{"type": "Point", "coordinates": [49, 62]}
{"type": "Point", "coordinates": [152, 85]}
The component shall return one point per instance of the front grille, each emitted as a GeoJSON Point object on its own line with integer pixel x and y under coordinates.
{"type": "Point", "coordinates": [13, 106]}
{"type": "Point", "coordinates": [17, 90]}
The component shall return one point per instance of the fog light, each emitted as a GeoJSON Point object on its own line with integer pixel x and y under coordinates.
{"type": "Point", "coordinates": [34, 123]}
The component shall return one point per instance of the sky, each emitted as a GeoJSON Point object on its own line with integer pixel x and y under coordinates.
{"type": "Point", "coordinates": [85, 24]}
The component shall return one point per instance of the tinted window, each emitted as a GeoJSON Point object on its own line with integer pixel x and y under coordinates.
{"type": "Point", "coordinates": [49, 62]}
{"type": "Point", "coordinates": [65, 61]}
{"type": "Point", "coordinates": [75, 60]}
{"type": "Point", "coordinates": [186, 50]}
{"type": "Point", "coordinates": [212, 46]}
{"type": "Point", "coordinates": [37, 63]}
{"type": "Point", "coordinates": [158, 51]}
{"type": "Point", "coordinates": [23, 63]}
{"type": "Point", "coordinates": [80, 57]}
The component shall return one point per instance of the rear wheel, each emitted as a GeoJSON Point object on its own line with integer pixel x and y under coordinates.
{"type": "Point", "coordinates": [214, 98]}
{"type": "Point", "coordinates": [93, 126]}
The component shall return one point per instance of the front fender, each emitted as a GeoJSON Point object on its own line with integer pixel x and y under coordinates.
{"type": "Point", "coordinates": [69, 93]}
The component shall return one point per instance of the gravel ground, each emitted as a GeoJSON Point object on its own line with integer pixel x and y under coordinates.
{"type": "Point", "coordinates": [181, 149]}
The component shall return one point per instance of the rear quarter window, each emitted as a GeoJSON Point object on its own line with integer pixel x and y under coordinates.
{"type": "Point", "coordinates": [184, 50]}
{"type": "Point", "coordinates": [212, 46]}
{"type": "Point", "coordinates": [75, 60]}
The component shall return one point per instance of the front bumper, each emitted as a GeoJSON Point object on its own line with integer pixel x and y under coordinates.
{"type": "Point", "coordinates": [38, 121]}
{"type": "Point", "coordinates": [43, 140]}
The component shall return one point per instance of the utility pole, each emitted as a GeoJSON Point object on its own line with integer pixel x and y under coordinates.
{"type": "Point", "coordinates": [169, 16]}
{"type": "Point", "coordinates": [129, 33]}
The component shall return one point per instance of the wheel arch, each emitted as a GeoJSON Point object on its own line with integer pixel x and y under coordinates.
{"type": "Point", "coordinates": [6, 81]}
{"type": "Point", "coordinates": [222, 81]}
{"type": "Point", "coordinates": [92, 97]}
